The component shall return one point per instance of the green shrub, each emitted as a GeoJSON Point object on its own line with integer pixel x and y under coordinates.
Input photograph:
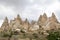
{"type": "Point", "coordinates": [54, 36]}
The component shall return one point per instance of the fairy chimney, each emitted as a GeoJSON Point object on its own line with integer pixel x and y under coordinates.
{"type": "Point", "coordinates": [42, 19]}
{"type": "Point", "coordinates": [16, 23]}
{"type": "Point", "coordinates": [26, 25]}
{"type": "Point", "coordinates": [5, 24]}
{"type": "Point", "coordinates": [53, 18]}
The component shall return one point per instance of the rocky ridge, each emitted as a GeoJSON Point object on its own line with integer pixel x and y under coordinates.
{"type": "Point", "coordinates": [47, 23]}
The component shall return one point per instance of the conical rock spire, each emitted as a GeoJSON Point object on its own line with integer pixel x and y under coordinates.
{"type": "Point", "coordinates": [53, 18]}
{"type": "Point", "coordinates": [42, 19]}
{"type": "Point", "coordinates": [5, 24]}
{"type": "Point", "coordinates": [18, 17]}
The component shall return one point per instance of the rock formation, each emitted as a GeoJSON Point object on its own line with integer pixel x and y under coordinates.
{"type": "Point", "coordinates": [42, 19]}
{"type": "Point", "coordinates": [43, 22]}
{"type": "Point", "coordinates": [5, 25]}
{"type": "Point", "coordinates": [26, 25]}
{"type": "Point", "coordinates": [16, 23]}
{"type": "Point", "coordinates": [34, 27]}
{"type": "Point", "coordinates": [52, 23]}
{"type": "Point", "coordinates": [53, 18]}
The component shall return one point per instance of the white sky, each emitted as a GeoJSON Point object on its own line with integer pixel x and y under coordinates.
{"type": "Point", "coordinates": [30, 9]}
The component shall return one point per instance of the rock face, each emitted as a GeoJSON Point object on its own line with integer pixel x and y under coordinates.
{"type": "Point", "coordinates": [47, 23]}
{"type": "Point", "coordinates": [5, 25]}
{"type": "Point", "coordinates": [53, 18]}
{"type": "Point", "coordinates": [52, 22]}
{"type": "Point", "coordinates": [34, 27]}
{"type": "Point", "coordinates": [42, 19]}
{"type": "Point", "coordinates": [19, 19]}
{"type": "Point", "coordinates": [26, 25]}
{"type": "Point", "coordinates": [16, 23]}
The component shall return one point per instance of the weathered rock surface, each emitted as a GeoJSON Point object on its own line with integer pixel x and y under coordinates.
{"type": "Point", "coordinates": [25, 29]}
{"type": "Point", "coordinates": [42, 19]}
{"type": "Point", "coordinates": [44, 22]}
{"type": "Point", "coordinates": [5, 25]}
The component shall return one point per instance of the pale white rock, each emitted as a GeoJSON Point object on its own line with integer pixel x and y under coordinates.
{"type": "Point", "coordinates": [34, 27]}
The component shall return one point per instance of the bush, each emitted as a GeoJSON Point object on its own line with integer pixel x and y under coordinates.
{"type": "Point", "coordinates": [53, 36]}
{"type": "Point", "coordinates": [5, 34]}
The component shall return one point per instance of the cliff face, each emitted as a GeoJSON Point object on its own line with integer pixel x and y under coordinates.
{"type": "Point", "coordinates": [47, 23]}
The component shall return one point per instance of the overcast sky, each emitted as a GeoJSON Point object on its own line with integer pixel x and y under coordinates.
{"type": "Point", "coordinates": [30, 9]}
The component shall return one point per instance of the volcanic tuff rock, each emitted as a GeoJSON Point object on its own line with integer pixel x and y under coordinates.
{"type": "Point", "coordinates": [53, 18]}
{"type": "Point", "coordinates": [51, 23]}
{"type": "Point", "coordinates": [47, 23]}
{"type": "Point", "coordinates": [42, 19]}
{"type": "Point", "coordinates": [5, 25]}
{"type": "Point", "coordinates": [26, 25]}
{"type": "Point", "coordinates": [16, 23]}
